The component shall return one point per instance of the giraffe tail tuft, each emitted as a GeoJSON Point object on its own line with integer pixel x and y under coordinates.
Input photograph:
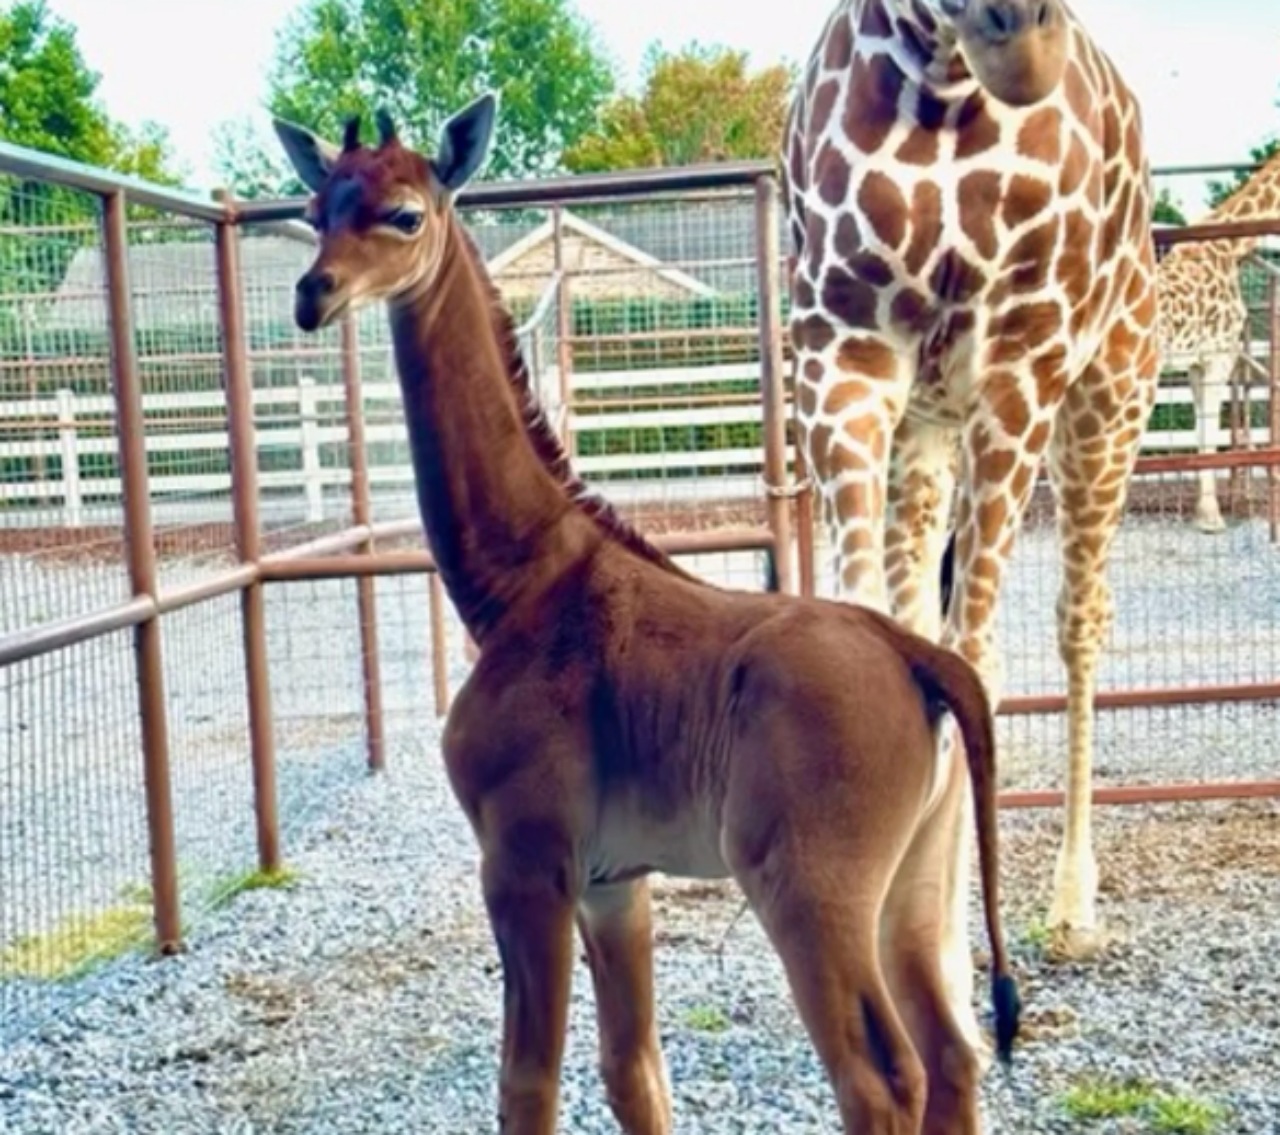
{"type": "Point", "coordinates": [1006, 1003]}
{"type": "Point", "coordinates": [948, 573]}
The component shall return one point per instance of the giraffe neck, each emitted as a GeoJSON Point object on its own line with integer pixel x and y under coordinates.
{"type": "Point", "coordinates": [1258, 199]}
{"type": "Point", "coordinates": [502, 509]}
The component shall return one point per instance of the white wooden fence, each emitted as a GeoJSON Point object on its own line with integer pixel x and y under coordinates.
{"type": "Point", "coordinates": [301, 420]}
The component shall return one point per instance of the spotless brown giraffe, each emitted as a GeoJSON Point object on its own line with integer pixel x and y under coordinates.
{"type": "Point", "coordinates": [625, 717]}
{"type": "Point", "coordinates": [969, 203]}
{"type": "Point", "coordinates": [1202, 314]}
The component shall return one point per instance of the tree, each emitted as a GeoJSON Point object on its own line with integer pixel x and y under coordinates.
{"type": "Point", "coordinates": [1219, 191]}
{"type": "Point", "coordinates": [336, 58]}
{"type": "Point", "coordinates": [252, 165]}
{"type": "Point", "coordinates": [1165, 212]}
{"type": "Point", "coordinates": [697, 104]}
{"type": "Point", "coordinates": [48, 101]}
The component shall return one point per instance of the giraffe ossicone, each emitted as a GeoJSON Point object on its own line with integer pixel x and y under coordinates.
{"type": "Point", "coordinates": [973, 295]}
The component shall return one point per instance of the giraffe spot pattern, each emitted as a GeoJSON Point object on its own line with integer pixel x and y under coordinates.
{"type": "Point", "coordinates": [979, 194]}
{"type": "Point", "coordinates": [832, 170]}
{"type": "Point", "coordinates": [1025, 243]}
{"type": "Point", "coordinates": [865, 356]}
{"type": "Point", "coordinates": [926, 226]}
{"type": "Point", "coordinates": [839, 51]}
{"type": "Point", "coordinates": [884, 207]}
{"type": "Point", "coordinates": [847, 239]}
{"type": "Point", "coordinates": [849, 299]}
{"type": "Point", "coordinates": [976, 131]}
{"type": "Point", "coordinates": [1025, 199]}
{"type": "Point", "coordinates": [871, 104]}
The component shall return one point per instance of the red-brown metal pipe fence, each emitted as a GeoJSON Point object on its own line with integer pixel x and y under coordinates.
{"type": "Point", "coordinates": [629, 396]}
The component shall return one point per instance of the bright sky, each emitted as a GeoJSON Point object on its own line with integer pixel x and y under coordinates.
{"type": "Point", "coordinates": [1207, 71]}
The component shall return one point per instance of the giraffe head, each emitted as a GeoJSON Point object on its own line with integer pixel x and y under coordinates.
{"type": "Point", "coordinates": [381, 213]}
{"type": "Point", "coordinates": [1017, 49]}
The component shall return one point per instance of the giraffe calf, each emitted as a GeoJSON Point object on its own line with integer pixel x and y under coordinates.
{"type": "Point", "coordinates": [625, 717]}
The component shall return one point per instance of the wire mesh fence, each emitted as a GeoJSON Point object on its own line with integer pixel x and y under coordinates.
{"type": "Point", "coordinates": [57, 417]}
{"type": "Point", "coordinates": [74, 871]}
{"type": "Point", "coordinates": [640, 322]}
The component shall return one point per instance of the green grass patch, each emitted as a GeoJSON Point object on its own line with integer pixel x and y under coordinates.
{"type": "Point", "coordinates": [78, 944]}
{"type": "Point", "coordinates": [226, 889]}
{"type": "Point", "coordinates": [1164, 1113]}
{"type": "Point", "coordinates": [706, 1019]}
{"type": "Point", "coordinates": [1035, 935]}
{"type": "Point", "coordinates": [1185, 1115]}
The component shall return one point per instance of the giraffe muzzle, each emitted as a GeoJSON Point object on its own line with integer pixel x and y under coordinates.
{"type": "Point", "coordinates": [317, 299]}
{"type": "Point", "coordinates": [1017, 49]}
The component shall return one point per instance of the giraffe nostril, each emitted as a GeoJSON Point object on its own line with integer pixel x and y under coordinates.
{"type": "Point", "coordinates": [317, 285]}
{"type": "Point", "coordinates": [999, 19]}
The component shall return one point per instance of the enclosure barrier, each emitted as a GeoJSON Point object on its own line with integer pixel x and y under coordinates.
{"type": "Point", "coordinates": [365, 548]}
{"type": "Point", "coordinates": [351, 553]}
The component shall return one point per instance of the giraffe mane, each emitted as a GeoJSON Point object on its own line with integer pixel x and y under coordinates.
{"type": "Point", "coordinates": [546, 442]}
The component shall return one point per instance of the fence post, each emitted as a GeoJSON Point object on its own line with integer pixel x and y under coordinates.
{"type": "Point", "coordinates": [439, 656]}
{"type": "Point", "coordinates": [238, 384]}
{"type": "Point", "coordinates": [1273, 475]}
{"type": "Point", "coordinates": [141, 554]}
{"type": "Point", "coordinates": [564, 333]}
{"type": "Point", "coordinates": [361, 514]}
{"type": "Point", "coordinates": [771, 381]}
{"type": "Point", "coordinates": [309, 419]}
{"type": "Point", "coordinates": [71, 499]}
{"type": "Point", "coordinates": [804, 523]}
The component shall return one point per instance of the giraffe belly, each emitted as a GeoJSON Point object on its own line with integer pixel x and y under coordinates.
{"type": "Point", "coordinates": [630, 841]}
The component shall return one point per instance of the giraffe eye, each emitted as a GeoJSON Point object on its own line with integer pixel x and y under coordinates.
{"type": "Point", "coordinates": [407, 221]}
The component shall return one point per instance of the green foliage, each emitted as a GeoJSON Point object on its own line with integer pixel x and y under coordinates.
{"type": "Point", "coordinates": [707, 1019]}
{"type": "Point", "coordinates": [698, 104]}
{"type": "Point", "coordinates": [1165, 1113]}
{"type": "Point", "coordinates": [225, 890]}
{"type": "Point", "coordinates": [78, 944]}
{"type": "Point", "coordinates": [336, 58]}
{"type": "Point", "coordinates": [48, 102]}
{"type": "Point", "coordinates": [1165, 212]}
{"type": "Point", "coordinates": [1219, 191]}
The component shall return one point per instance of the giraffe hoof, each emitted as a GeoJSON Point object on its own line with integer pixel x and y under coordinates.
{"type": "Point", "coordinates": [1069, 943]}
{"type": "Point", "coordinates": [1210, 521]}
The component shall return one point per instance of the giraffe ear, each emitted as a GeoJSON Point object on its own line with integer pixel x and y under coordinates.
{"type": "Point", "coordinates": [465, 141]}
{"type": "Point", "coordinates": [310, 155]}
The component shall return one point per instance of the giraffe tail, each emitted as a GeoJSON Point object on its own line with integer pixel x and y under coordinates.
{"type": "Point", "coordinates": [947, 678]}
{"type": "Point", "coordinates": [948, 573]}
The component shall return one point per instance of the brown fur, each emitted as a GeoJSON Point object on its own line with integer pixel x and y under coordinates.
{"type": "Point", "coordinates": [624, 717]}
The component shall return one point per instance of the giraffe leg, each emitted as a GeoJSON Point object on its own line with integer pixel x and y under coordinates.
{"type": "Point", "coordinates": [1210, 389]}
{"type": "Point", "coordinates": [823, 921]}
{"type": "Point", "coordinates": [921, 484]}
{"type": "Point", "coordinates": [1095, 443]}
{"type": "Point", "coordinates": [616, 927]}
{"type": "Point", "coordinates": [1001, 448]}
{"type": "Point", "coordinates": [922, 477]}
{"type": "Point", "coordinates": [911, 944]}
{"type": "Point", "coordinates": [851, 390]}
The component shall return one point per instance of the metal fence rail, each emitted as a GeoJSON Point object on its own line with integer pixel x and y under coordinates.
{"type": "Point", "coordinates": [213, 583]}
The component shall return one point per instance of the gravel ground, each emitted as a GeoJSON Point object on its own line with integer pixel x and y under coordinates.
{"type": "Point", "coordinates": [366, 998]}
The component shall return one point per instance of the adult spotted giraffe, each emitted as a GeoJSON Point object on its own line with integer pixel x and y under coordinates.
{"type": "Point", "coordinates": [969, 201]}
{"type": "Point", "coordinates": [1202, 314]}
